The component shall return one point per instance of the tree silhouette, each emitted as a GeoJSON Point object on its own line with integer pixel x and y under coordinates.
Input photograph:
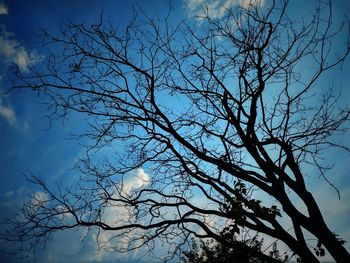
{"type": "Point", "coordinates": [247, 251]}
{"type": "Point", "coordinates": [209, 115]}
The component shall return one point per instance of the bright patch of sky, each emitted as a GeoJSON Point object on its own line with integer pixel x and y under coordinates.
{"type": "Point", "coordinates": [3, 9]}
{"type": "Point", "coordinates": [217, 8]}
{"type": "Point", "coordinates": [29, 141]}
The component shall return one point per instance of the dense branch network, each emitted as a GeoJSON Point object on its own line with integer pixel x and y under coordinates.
{"type": "Point", "coordinates": [213, 112]}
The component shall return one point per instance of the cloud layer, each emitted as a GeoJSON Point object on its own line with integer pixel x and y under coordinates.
{"type": "Point", "coordinates": [8, 114]}
{"type": "Point", "coordinates": [217, 8]}
{"type": "Point", "coordinates": [12, 52]}
{"type": "Point", "coordinates": [3, 9]}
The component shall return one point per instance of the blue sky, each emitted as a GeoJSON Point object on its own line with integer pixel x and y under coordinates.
{"type": "Point", "coordinates": [29, 142]}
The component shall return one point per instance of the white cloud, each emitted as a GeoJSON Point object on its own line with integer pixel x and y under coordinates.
{"type": "Point", "coordinates": [8, 114]}
{"type": "Point", "coordinates": [142, 179]}
{"type": "Point", "coordinates": [3, 9]}
{"type": "Point", "coordinates": [116, 214]}
{"type": "Point", "coordinates": [217, 8]}
{"type": "Point", "coordinates": [138, 179]}
{"type": "Point", "coordinates": [13, 53]}
{"type": "Point", "coordinates": [39, 199]}
{"type": "Point", "coordinates": [9, 193]}
{"type": "Point", "coordinates": [248, 3]}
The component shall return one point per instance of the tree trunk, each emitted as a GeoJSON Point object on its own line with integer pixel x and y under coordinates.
{"type": "Point", "coordinates": [331, 243]}
{"type": "Point", "coordinates": [320, 230]}
{"type": "Point", "coordinates": [301, 250]}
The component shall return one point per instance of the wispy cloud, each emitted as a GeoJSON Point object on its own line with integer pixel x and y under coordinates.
{"type": "Point", "coordinates": [39, 199]}
{"type": "Point", "coordinates": [216, 8]}
{"type": "Point", "coordinates": [3, 9]}
{"type": "Point", "coordinates": [6, 111]}
{"type": "Point", "coordinates": [138, 179]}
{"type": "Point", "coordinates": [116, 214]}
{"type": "Point", "coordinates": [8, 114]}
{"type": "Point", "coordinates": [12, 52]}
{"type": "Point", "coordinates": [14, 197]}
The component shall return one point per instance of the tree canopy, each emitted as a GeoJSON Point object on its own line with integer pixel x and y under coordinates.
{"type": "Point", "coordinates": [244, 251]}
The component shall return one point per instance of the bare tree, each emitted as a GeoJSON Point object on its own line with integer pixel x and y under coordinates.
{"type": "Point", "coordinates": [214, 112]}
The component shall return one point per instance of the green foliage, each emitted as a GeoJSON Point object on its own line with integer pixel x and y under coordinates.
{"type": "Point", "coordinates": [247, 251]}
{"type": "Point", "coordinates": [241, 202]}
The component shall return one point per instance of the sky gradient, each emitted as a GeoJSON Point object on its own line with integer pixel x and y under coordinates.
{"type": "Point", "coordinates": [29, 142]}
